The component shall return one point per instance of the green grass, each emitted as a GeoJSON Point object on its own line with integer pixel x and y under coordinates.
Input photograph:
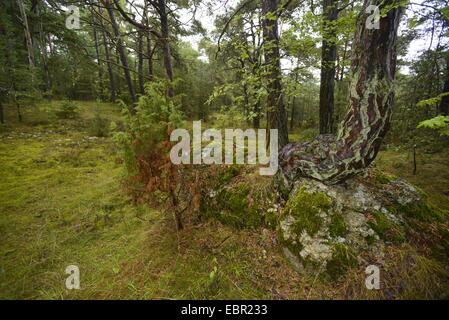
{"type": "Point", "coordinates": [432, 174]}
{"type": "Point", "coordinates": [62, 203]}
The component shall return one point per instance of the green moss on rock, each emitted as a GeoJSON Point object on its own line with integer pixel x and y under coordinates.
{"type": "Point", "coordinates": [384, 178]}
{"type": "Point", "coordinates": [385, 228]}
{"type": "Point", "coordinates": [421, 211]}
{"type": "Point", "coordinates": [305, 208]}
{"type": "Point", "coordinates": [232, 206]}
{"type": "Point", "coordinates": [337, 227]}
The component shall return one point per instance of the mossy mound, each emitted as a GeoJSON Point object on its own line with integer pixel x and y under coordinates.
{"type": "Point", "coordinates": [329, 227]}
{"type": "Point", "coordinates": [242, 199]}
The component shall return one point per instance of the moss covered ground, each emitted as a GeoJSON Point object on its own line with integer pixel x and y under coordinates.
{"type": "Point", "coordinates": [62, 203]}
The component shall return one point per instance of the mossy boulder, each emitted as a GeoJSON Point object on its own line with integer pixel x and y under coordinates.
{"type": "Point", "coordinates": [242, 199]}
{"type": "Point", "coordinates": [329, 227]}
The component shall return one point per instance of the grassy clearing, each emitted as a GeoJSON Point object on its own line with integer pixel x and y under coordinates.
{"type": "Point", "coordinates": [61, 203]}
{"type": "Point", "coordinates": [432, 174]}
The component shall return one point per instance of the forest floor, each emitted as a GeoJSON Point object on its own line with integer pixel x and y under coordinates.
{"type": "Point", "coordinates": [62, 203]}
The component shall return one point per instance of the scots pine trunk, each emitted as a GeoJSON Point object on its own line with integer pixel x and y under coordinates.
{"type": "Point", "coordinates": [43, 48]}
{"type": "Point", "coordinates": [443, 107]}
{"type": "Point", "coordinates": [107, 54]}
{"type": "Point", "coordinates": [29, 41]}
{"type": "Point", "coordinates": [276, 115]}
{"type": "Point", "coordinates": [97, 53]}
{"type": "Point", "coordinates": [166, 53]}
{"type": "Point", "coordinates": [334, 159]}
{"type": "Point", "coordinates": [150, 50]}
{"type": "Point", "coordinates": [140, 61]}
{"type": "Point", "coordinates": [328, 58]}
{"type": "Point", "coordinates": [2, 117]}
{"type": "Point", "coordinates": [121, 52]}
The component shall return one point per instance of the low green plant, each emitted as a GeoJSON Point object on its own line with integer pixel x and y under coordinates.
{"type": "Point", "coordinates": [67, 110]}
{"type": "Point", "coordinates": [99, 126]}
{"type": "Point", "coordinates": [439, 123]}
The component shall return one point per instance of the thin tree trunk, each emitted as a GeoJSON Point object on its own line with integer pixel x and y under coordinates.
{"type": "Point", "coordinates": [29, 42]}
{"type": "Point", "coordinates": [2, 116]}
{"type": "Point", "coordinates": [140, 62]}
{"type": "Point", "coordinates": [10, 72]}
{"type": "Point", "coordinates": [256, 119]}
{"type": "Point", "coordinates": [107, 54]}
{"type": "Point", "coordinates": [43, 47]}
{"type": "Point", "coordinates": [150, 53]}
{"type": "Point", "coordinates": [334, 159]}
{"type": "Point", "coordinates": [328, 58]}
{"type": "Point", "coordinates": [97, 54]}
{"type": "Point", "coordinates": [165, 40]}
{"type": "Point", "coordinates": [443, 107]}
{"type": "Point", "coordinates": [18, 108]}
{"type": "Point", "coordinates": [150, 50]}
{"type": "Point", "coordinates": [292, 118]}
{"type": "Point", "coordinates": [122, 54]}
{"type": "Point", "coordinates": [342, 66]}
{"type": "Point", "coordinates": [276, 115]}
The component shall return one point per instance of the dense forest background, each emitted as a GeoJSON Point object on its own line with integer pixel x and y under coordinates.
{"type": "Point", "coordinates": [116, 47]}
{"type": "Point", "coordinates": [91, 90]}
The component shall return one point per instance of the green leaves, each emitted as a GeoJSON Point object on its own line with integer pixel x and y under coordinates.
{"type": "Point", "coordinates": [440, 123]}
{"type": "Point", "coordinates": [432, 101]}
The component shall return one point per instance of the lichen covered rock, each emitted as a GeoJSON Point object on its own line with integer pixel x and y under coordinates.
{"type": "Point", "coordinates": [328, 228]}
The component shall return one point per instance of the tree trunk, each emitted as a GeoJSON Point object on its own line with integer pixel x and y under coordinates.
{"type": "Point", "coordinates": [334, 159]}
{"type": "Point", "coordinates": [107, 54]}
{"type": "Point", "coordinates": [97, 54]}
{"type": "Point", "coordinates": [256, 119]}
{"type": "Point", "coordinates": [166, 46]}
{"type": "Point", "coordinates": [29, 42]}
{"type": "Point", "coordinates": [122, 53]}
{"type": "Point", "coordinates": [276, 115]}
{"type": "Point", "coordinates": [2, 117]}
{"type": "Point", "coordinates": [140, 62]}
{"type": "Point", "coordinates": [150, 50]}
{"type": "Point", "coordinates": [43, 47]}
{"type": "Point", "coordinates": [150, 53]}
{"type": "Point", "coordinates": [443, 107]}
{"type": "Point", "coordinates": [292, 117]}
{"type": "Point", "coordinates": [328, 58]}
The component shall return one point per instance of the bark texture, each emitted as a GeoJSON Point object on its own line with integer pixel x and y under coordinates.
{"type": "Point", "coordinates": [121, 52]}
{"type": "Point", "coordinates": [29, 41]}
{"type": "Point", "coordinates": [166, 52]}
{"type": "Point", "coordinates": [443, 107]}
{"type": "Point", "coordinates": [328, 58]}
{"type": "Point", "coordinates": [2, 118]}
{"type": "Point", "coordinates": [334, 159]}
{"type": "Point", "coordinates": [140, 62]}
{"type": "Point", "coordinates": [107, 54]}
{"type": "Point", "coordinates": [277, 117]}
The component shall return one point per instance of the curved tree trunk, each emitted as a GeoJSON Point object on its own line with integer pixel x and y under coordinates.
{"type": "Point", "coordinates": [333, 159]}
